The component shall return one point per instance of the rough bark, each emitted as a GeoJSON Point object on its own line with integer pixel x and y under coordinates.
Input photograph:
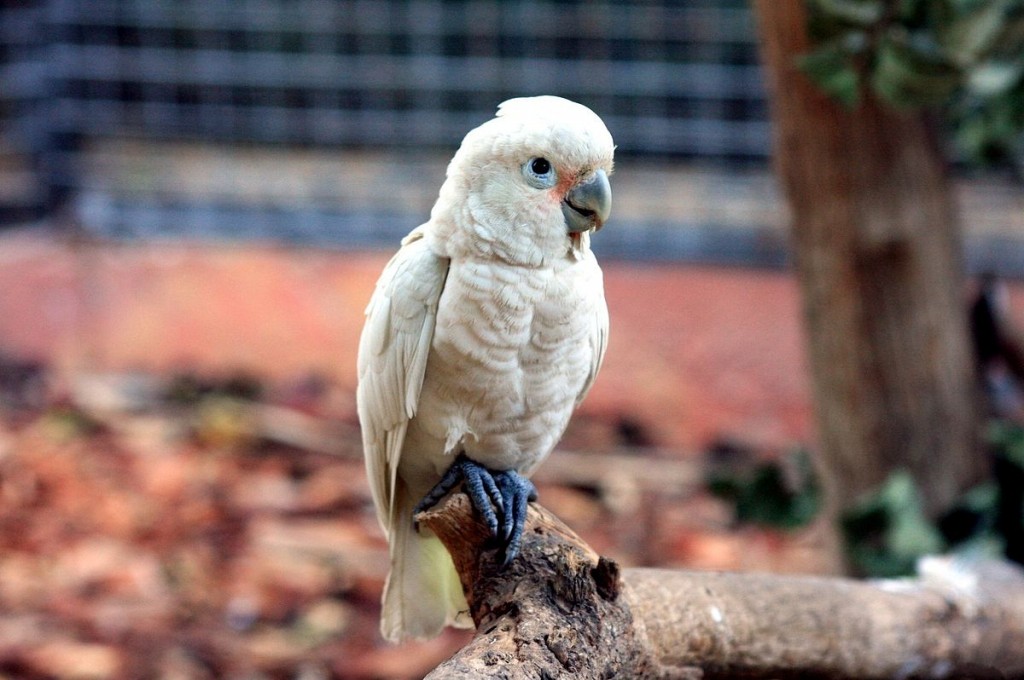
{"type": "Point", "coordinates": [878, 256]}
{"type": "Point", "coordinates": [561, 611]}
{"type": "Point", "coordinates": [555, 612]}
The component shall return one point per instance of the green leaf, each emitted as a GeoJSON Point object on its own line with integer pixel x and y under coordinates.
{"type": "Point", "coordinates": [958, 7]}
{"type": "Point", "coordinates": [886, 531]}
{"type": "Point", "coordinates": [832, 69]}
{"type": "Point", "coordinates": [965, 56]}
{"type": "Point", "coordinates": [65, 423]}
{"type": "Point", "coordinates": [783, 494]}
{"type": "Point", "coordinates": [911, 534]}
{"type": "Point", "coordinates": [981, 498]}
{"type": "Point", "coordinates": [859, 12]}
{"type": "Point", "coordinates": [994, 77]}
{"type": "Point", "coordinates": [724, 487]}
{"type": "Point", "coordinates": [967, 37]}
{"type": "Point", "coordinates": [990, 130]}
{"type": "Point", "coordinates": [984, 546]}
{"type": "Point", "coordinates": [1010, 42]}
{"type": "Point", "coordinates": [1008, 439]}
{"type": "Point", "coordinates": [906, 78]}
{"type": "Point", "coordinates": [911, 10]}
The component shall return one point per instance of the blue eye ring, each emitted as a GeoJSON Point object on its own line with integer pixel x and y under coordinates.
{"type": "Point", "coordinates": [539, 173]}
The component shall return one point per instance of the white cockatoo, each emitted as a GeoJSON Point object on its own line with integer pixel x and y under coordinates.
{"type": "Point", "coordinates": [485, 330]}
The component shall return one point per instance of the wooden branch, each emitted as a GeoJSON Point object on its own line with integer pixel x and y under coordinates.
{"type": "Point", "coordinates": [556, 611]}
{"type": "Point", "coordinates": [953, 623]}
{"type": "Point", "coordinates": [560, 610]}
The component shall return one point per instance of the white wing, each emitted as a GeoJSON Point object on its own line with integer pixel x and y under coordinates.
{"type": "Point", "coordinates": [393, 352]}
{"type": "Point", "coordinates": [598, 338]}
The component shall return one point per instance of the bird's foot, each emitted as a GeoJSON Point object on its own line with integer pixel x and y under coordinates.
{"type": "Point", "coordinates": [500, 497]}
{"type": "Point", "coordinates": [516, 492]}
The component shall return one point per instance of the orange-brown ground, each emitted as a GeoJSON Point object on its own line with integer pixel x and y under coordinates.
{"type": "Point", "coordinates": [170, 542]}
{"type": "Point", "coordinates": [695, 352]}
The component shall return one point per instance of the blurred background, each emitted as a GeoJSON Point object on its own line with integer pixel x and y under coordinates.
{"type": "Point", "coordinates": [196, 198]}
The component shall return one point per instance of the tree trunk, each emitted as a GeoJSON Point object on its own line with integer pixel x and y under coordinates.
{"type": "Point", "coordinates": [560, 611]}
{"type": "Point", "coordinates": [878, 255]}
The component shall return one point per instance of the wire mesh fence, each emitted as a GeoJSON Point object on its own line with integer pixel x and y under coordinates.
{"type": "Point", "coordinates": [23, 94]}
{"type": "Point", "coordinates": [671, 79]}
{"type": "Point", "coordinates": [81, 77]}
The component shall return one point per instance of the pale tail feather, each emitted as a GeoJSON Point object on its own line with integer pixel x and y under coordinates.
{"type": "Point", "coordinates": [423, 593]}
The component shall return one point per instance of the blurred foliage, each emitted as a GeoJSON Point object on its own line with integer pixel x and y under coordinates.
{"type": "Point", "coordinates": [223, 422]}
{"type": "Point", "coordinates": [219, 408]}
{"type": "Point", "coordinates": [188, 389]}
{"type": "Point", "coordinates": [965, 56]}
{"type": "Point", "coordinates": [887, 531]}
{"type": "Point", "coordinates": [780, 494]}
{"type": "Point", "coordinates": [65, 422]}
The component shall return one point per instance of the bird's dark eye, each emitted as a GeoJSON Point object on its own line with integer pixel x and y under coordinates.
{"type": "Point", "coordinates": [539, 173]}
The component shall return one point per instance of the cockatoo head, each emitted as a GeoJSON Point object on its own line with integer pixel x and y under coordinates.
{"type": "Point", "coordinates": [527, 186]}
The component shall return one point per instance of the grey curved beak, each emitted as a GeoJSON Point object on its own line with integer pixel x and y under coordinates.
{"type": "Point", "coordinates": [588, 204]}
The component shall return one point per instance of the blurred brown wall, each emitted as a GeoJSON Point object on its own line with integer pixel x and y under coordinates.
{"type": "Point", "coordinates": [694, 352]}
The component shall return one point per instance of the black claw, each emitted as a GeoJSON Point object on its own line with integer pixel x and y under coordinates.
{"type": "Point", "coordinates": [499, 497]}
{"type": "Point", "coordinates": [477, 483]}
{"type": "Point", "coordinates": [493, 492]}
{"type": "Point", "coordinates": [448, 482]}
{"type": "Point", "coordinates": [518, 491]}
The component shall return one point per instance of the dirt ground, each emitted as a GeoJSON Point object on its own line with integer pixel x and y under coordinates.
{"type": "Point", "coordinates": [150, 529]}
{"type": "Point", "coordinates": [143, 538]}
